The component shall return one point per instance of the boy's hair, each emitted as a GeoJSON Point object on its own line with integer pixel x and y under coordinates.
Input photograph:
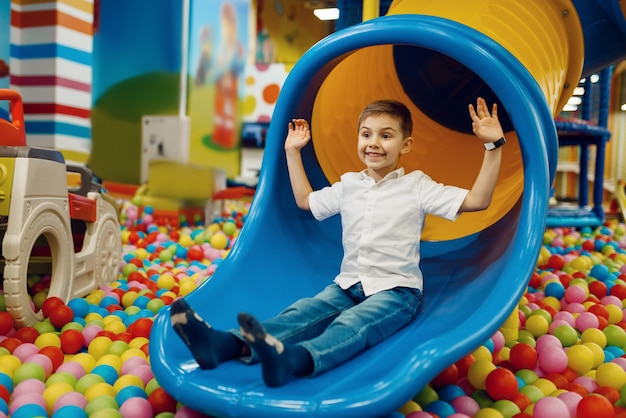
{"type": "Point", "coordinates": [392, 108]}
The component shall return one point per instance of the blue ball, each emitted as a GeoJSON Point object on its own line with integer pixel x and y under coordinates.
{"type": "Point", "coordinates": [29, 411]}
{"type": "Point", "coordinates": [108, 373]}
{"type": "Point", "coordinates": [441, 408]}
{"type": "Point", "coordinates": [554, 289]}
{"type": "Point", "coordinates": [79, 306]}
{"type": "Point", "coordinates": [450, 392]}
{"type": "Point", "coordinates": [130, 392]}
{"type": "Point", "coordinates": [6, 381]}
{"type": "Point", "coordinates": [69, 411]}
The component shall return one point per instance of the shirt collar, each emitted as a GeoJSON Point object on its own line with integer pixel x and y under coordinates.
{"type": "Point", "coordinates": [397, 173]}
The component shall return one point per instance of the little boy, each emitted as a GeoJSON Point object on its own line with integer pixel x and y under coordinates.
{"type": "Point", "coordinates": [379, 286]}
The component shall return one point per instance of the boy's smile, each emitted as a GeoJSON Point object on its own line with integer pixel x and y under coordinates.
{"type": "Point", "coordinates": [380, 144]}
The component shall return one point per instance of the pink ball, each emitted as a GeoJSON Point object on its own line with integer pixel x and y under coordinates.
{"type": "Point", "coordinates": [415, 414]}
{"type": "Point", "coordinates": [25, 350]}
{"type": "Point", "coordinates": [570, 399]}
{"type": "Point", "coordinates": [612, 300]}
{"type": "Point", "coordinates": [43, 360]}
{"type": "Point", "coordinates": [136, 408]}
{"type": "Point", "coordinates": [71, 398]}
{"type": "Point", "coordinates": [465, 405]}
{"type": "Point", "coordinates": [498, 341]}
{"type": "Point", "coordinates": [550, 407]}
{"type": "Point", "coordinates": [29, 386]}
{"type": "Point", "coordinates": [89, 332]}
{"type": "Point", "coordinates": [565, 316]}
{"type": "Point", "coordinates": [144, 372]}
{"type": "Point", "coordinates": [186, 412]}
{"type": "Point", "coordinates": [575, 307]}
{"type": "Point", "coordinates": [586, 320]}
{"type": "Point", "coordinates": [621, 361]}
{"type": "Point", "coordinates": [575, 294]}
{"type": "Point", "coordinates": [27, 399]}
{"type": "Point", "coordinates": [547, 340]}
{"type": "Point", "coordinates": [72, 367]}
{"type": "Point", "coordinates": [557, 323]}
{"type": "Point", "coordinates": [553, 359]}
{"type": "Point", "coordinates": [133, 362]}
{"type": "Point", "coordinates": [589, 384]}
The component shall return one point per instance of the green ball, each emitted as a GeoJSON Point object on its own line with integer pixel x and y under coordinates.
{"type": "Point", "coordinates": [566, 334]}
{"type": "Point", "coordinates": [482, 398]}
{"type": "Point", "coordinates": [165, 415]}
{"type": "Point", "coordinates": [117, 348]}
{"type": "Point", "coordinates": [427, 396]}
{"type": "Point", "coordinates": [155, 305]}
{"type": "Point", "coordinates": [28, 371]}
{"type": "Point", "coordinates": [87, 381]}
{"type": "Point", "coordinates": [527, 376]}
{"type": "Point", "coordinates": [73, 325]}
{"type": "Point", "coordinates": [62, 377]}
{"type": "Point", "coordinates": [526, 337]}
{"type": "Point", "coordinates": [533, 392]}
{"type": "Point", "coordinates": [506, 408]}
{"type": "Point", "coordinates": [151, 386]}
{"type": "Point", "coordinates": [100, 403]}
{"type": "Point", "coordinates": [129, 268]}
{"type": "Point", "coordinates": [44, 326]}
{"type": "Point", "coordinates": [229, 228]}
{"type": "Point", "coordinates": [615, 336]}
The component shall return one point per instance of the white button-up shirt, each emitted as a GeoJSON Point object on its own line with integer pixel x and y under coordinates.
{"type": "Point", "coordinates": [382, 225]}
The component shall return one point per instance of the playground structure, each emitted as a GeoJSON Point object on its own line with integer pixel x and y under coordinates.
{"type": "Point", "coordinates": [436, 56]}
{"type": "Point", "coordinates": [73, 234]}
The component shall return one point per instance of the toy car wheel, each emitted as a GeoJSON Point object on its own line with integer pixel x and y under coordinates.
{"type": "Point", "coordinates": [108, 252]}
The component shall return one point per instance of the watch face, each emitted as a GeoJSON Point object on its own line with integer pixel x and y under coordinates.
{"type": "Point", "coordinates": [489, 146]}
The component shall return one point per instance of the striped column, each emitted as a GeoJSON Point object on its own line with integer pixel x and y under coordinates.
{"type": "Point", "coordinates": [50, 65]}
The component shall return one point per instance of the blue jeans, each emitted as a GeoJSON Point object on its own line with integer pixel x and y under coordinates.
{"type": "Point", "coordinates": [337, 324]}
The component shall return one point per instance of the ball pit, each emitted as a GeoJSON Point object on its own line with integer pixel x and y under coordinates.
{"type": "Point", "coordinates": [89, 357]}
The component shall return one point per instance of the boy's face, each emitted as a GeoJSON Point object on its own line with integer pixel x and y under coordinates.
{"type": "Point", "coordinates": [381, 142]}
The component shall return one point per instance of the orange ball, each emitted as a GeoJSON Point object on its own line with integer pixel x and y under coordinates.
{"type": "Point", "coordinates": [593, 406]}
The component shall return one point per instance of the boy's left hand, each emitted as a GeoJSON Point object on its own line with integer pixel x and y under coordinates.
{"type": "Point", "coordinates": [486, 126]}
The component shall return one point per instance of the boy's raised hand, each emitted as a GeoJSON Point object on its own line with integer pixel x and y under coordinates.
{"type": "Point", "coordinates": [486, 126]}
{"type": "Point", "coordinates": [298, 136]}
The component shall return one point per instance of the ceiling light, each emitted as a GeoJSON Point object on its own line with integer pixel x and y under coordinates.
{"type": "Point", "coordinates": [331, 13]}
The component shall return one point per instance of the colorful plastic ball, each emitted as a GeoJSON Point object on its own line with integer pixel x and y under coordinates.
{"type": "Point", "coordinates": [465, 405]}
{"type": "Point", "coordinates": [440, 408]}
{"type": "Point", "coordinates": [100, 403]}
{"type": "Point", "coordinates": [615, 335]}
{"type": "Point", "coordinates": [611, 375]}
{"type": "Point", "coordinates": [69, 411]}
{"type": "Point", "coordinates": [29, 411]}
{"type": "Point", "coordinates": [550, 407]}
{"type": "Point", "coordinates": [161, 401]}
{"type": "Point", "coordinates": [580, 359]}
{"type": "Point", "coordinates": [71, 398]}
{"type": "Point", "coordinates": [566, 334]}
{"type": "Point", "coordinates": [107, 372]}
{"type": "Point", "coordinates": [553, 360]}
{"type": "Point", "coordinates": [6, 323]}
{"type": "Point", "coordinates": [523, 356]}
{"type": "Point", "coordinates": [594, 406]}
{"type": "Point", "coordinates": [29, 371]}
{"type": "Point", "coordinates": [61, 315]}
{"type": "Point", "coordinates": [537, 325]}
{"type": "Point", "coordinates": [137, 407]}
{"type": "Point", "coordinates": [48, 339]}
{"type": "Point", "coordinates": [87, 381]}
{"type": "Point", "coordinates": [478, 372]}
{"type": "Point", "coordinates": [53, 392]}
{"type": "Point", "coordinates": [79, 306]}
{"type": "Point", "coordinates": [71, 341]}
{"type": "Point", "coordinates": [49, 304]}
{"type": "Point", "coordinates": [501, 383]}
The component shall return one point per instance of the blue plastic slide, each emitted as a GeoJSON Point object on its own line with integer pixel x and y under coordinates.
{"type": "Point", "coordinates": [473, 281]}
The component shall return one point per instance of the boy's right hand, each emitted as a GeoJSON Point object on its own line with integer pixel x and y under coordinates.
{"type": "Point", "coordinates": [298, 136]}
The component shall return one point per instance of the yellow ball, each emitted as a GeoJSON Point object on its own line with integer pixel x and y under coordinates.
{"type": "Point", "coordinates": [166, 281]}
{"type": "Point", "coordinates": [478, 372]}
{"type": "Point", "coordinates": [128, 380]}
{"type": "Point", "coordinates": [410, 406]}
{"type": "Point", "coordinates": [111, 360]}
{"type": "Point", "coordinates": [10, 362]}
{"type": "Point", "coordinates": [98, 346]}
{"type": "Point", "coordinates": [185, 240]}
{"type": "Point", "coordinates": [598, 354]}
{"type": "Point", "coordinates": [186, 287]}
{"type": "Point", "coordinates": [615, 313]}
{"type": "Point", "coordinates": [132, 352]}
{"type": "Point", "coordinates": [117, 327]}
{"type": "Point", "coordinates": [488, 413]}
{"type": "Point", "coordinates": [129, 298]}
{"type": "Point", "coordinates": [48, 339]}
{"type": "Point", "coordinates": [537, 325]}
{"type": "Point", "coordinates": [137, 342]}
{"type": "Point", "coordinates": [53, 392]}
{"type": "Point", "coordinates": [482, 353]}
{"type": "Point", "coordinates": [552, 302]}
{"type": "Point", "coordinates": [86, 360]}
{"type": "Point", "coordinates": [611, 374]}
{"type": "Point", "coordinates": [219, 241]}
{"type": "Point", "coordinates": [93, 316]}
{"type": "Point", "coordinates": [99, 389]}
{"type": "Point", "coordinates": [580, 358]}
{"type": "Point", "coordinates": [593, 335]}
{"type": "Point", "coordinates": [546, 386]}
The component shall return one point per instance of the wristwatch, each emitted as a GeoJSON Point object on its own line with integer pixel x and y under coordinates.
{"type": "Point", "coordinates": [490, 146]}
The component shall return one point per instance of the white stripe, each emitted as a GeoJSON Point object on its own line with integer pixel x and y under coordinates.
{"type": "Point", "coordinates": [52, 34]}
{"type": "Point", "coordinates": [56, 117]}
{"type": "Point", "coordinates": [58, 95]}
{"type": "Point", "coordinates": [52, 66]}
{"type": "Point", "coordinates": [63, 142]}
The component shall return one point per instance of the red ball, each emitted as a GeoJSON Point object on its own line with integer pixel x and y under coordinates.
{"type": "Point", "coordinates": [599, 311]}
{"type": "Point", "coordinates": [54, 354]}
{"type": "Point", "coordinates": [608, 392]}
{"type": "Point", "coordinates": [618, 290]}
{"type": "Point", "coordinates": [6, 323]}
{"type": "Point", "coordinates": [598, 289]}
{"type": "Point", "coordinates": [448, 376]}
{"type": "Point", "coordinates": [10, 343]}
{"type": "Point", "coordinates": [593, 406]}
{"type": "Point", "coordinates": [161, 401]}
{"type": "Point", "coordinates": [27, 334]}
{"type": "Point", "coordinates": [556, 261]}
{"type": "Point", "coordinates": [521, 400]}
{"type": "Point", "coordinates": [535, 280]}
{"type": "Point", "coordinates": [464, 364]}
{"type": "Point", "coordinates": [141, 328]}
{"type": "Point", "coordinates": [61, 315]}
{"type": "Point", "coordinates": [4, 394]}
{"type": "Point", "coordinates": [72, 340]}
{"type": "Point", "coordinates": [523, 356]}
{"type": "Point", "coordinates": [195, 253]}
{"type": "Point", "coordinates": [49, 304]}
{"type": "Point", "coordinates": [501, 384]}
